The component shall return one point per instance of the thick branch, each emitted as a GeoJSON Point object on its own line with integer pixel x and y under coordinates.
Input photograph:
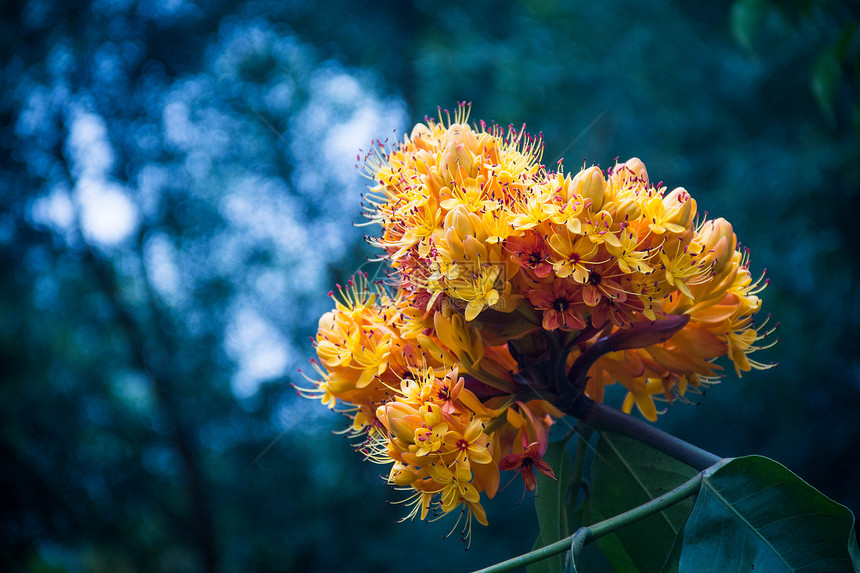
{"type": "Point", "coordinates": [602, 417]}
{"type": "Point", "coordinates": [201, 516]}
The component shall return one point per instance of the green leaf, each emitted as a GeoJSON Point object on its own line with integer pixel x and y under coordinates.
{"type": "Point", "coordinates": [826, 75]}
{"type": "Point", "coordinates": [608, 545]}
{"type": "Point", "coordinates": [591, 559]}
{"type": "Point", "coordinates": [625, 474]}
{"type": "Point", "coordinates": [673, 561]}
{"type": "Point", "coordinates": [754, 514]}
{"type": "Point", "coordinates": [746, 19]}
{"type": "Point", "coordinates": [551, 502]}
{"type": "Point", "coordinates": [854, 550]}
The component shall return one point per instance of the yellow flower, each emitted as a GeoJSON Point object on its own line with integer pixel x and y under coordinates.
{"type": "Point", "coordinates": [641, 394]}
{"type": "Point", "coordinates": [573, 254]}
{"type": "Point", "coordinates": [630, 259]}
{"type": "Point", "coordinates": [457, 489]}
{"type": "Point", "coordinates": [428, 439]}
{"type": "Point", "coordinates": [530, 212]}
{"type": "Point", "coordinates": [671, 213]}
{"type": "Point", "coordinates": [601, 228]}
{"type": "Point", "coordinates": [680, 264]}
{"type": "Point", "coordinates": [498, 225]}
{"type": "Point", "coordinates": [472, 443]}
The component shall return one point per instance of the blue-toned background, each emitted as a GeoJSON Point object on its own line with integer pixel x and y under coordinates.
{"type": "Point", "coordinates": [177, 197]}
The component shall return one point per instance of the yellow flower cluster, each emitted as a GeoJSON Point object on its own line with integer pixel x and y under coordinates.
{"type": "Point", "coordinates": [401, 385]}
{"type": "Point", "coordinates": [493, 256]}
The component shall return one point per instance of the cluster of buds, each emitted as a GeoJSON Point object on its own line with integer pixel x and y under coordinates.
{"type": "Point", "coordinates": [513, 288]}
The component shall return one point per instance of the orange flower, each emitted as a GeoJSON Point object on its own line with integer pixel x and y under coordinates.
{"type": "Point", "coordinates": [558, 302]}
{"type": "Point", "coordinates": [531, 252]}
{"type": "Point", "coordinates": [526, 462]}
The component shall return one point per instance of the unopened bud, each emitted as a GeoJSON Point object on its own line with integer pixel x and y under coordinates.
{"type": "Point", "coordinates": [632, 168]}
{"type": "Point", "coordinates": [488, 148]}
{"type": "Point", "coordinates": [462, 221]}
{"type": "Point", "coordinates": [470, 140]}
{"type": "Point", "coordinates": [682, 206]}
{"type": "Point", "coordinates": [642, 334]}
{"type": "Point", "coordinates": [327, 321]}
{"type": "Point", "coordinates": [401, 475]}
{"type": "Point", "coordinates": [420, 131]}
{"type": "Point", "coordinates": [628, 209]}
{"type": "Point", "coordinates": [719, 241]}
{"type": "Point", "coordinates": [431, 414]}
{"type": "Point", "coordinates": [396, 417]}
{"type": "Point", "coordinates": [455, 156]}
{"type": "Point", "coordinates": [462, 134]}
{"type": "Point", "coordinates": [590, 184]}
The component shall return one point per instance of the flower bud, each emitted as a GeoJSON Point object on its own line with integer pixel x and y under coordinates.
{"type": "Point", "coordinates": [401, 475]}
{"type": "Point", "coordinates": [431, 414]}
{"type": "Point", "coordinates": [456, 156]}
{"type": "Point", "coordinates": [458, 133]}
{"type": "Point", "coordinates": [488, 148]}
{"type": "Point", "coordinates": [462, 222]}
{"type": "Point", "coordinates": [468, 138]}
{"type": "Point", "coordinates": [421, 136]}
{"type": "Point", "coordinates": [642, 334]}
{"type": "Point", "coordinates": [400, 419]}
{"type": "Point", "coordinates": [460, 337]}
{"type": "Point", "coordinates": [631, 170]}
{"type": "Point", "coordinates": [635, 165]}
{"type": "Point", "coordinates": [420, 130]}
{"type": "Point", "coordinates": [327, 322]}
{"type": "Point", "coordinates": [627, 209]}
{"type": "Point", "coordinates": [590, 184]}
{"type": "Point", "coordinates": [461, 135]}
{"type": "Point", "coordinates": [719, 242]}
{"type": "Point", "coordinates": [681, 207]}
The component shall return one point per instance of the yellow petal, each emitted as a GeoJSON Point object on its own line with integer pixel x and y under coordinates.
{"type": "Point", "coordinates": [473, 309]}
{"type": "Point", "coordinates": [646, 405]}
{"type": "Point", "coordinates": [482, 456]}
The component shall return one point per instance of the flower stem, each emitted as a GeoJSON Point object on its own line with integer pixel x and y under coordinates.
{"type": "Point", "coordinates": [602, 417]}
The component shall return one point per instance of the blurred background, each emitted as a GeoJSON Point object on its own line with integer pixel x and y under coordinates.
{"type": "Point", "coordinates": [177, 197]}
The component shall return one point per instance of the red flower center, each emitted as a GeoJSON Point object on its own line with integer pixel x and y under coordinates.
{"type": "Point", "coordinates": [444, 393]}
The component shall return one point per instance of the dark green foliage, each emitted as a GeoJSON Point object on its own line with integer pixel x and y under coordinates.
{"type": "Point", "coordinates": [741, 514]}
{"type": "Point", "coordinates": [551, 504]}
{"type": "Point", "coordinates": [624, 475]}
{"type": "Point", "coordinates": [754, 514]}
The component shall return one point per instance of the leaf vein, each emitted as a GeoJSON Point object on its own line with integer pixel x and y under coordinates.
{"type": "Point", "coordinates": [639, 481]}
{"type": "Point", "coordinates": [706, 483]}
